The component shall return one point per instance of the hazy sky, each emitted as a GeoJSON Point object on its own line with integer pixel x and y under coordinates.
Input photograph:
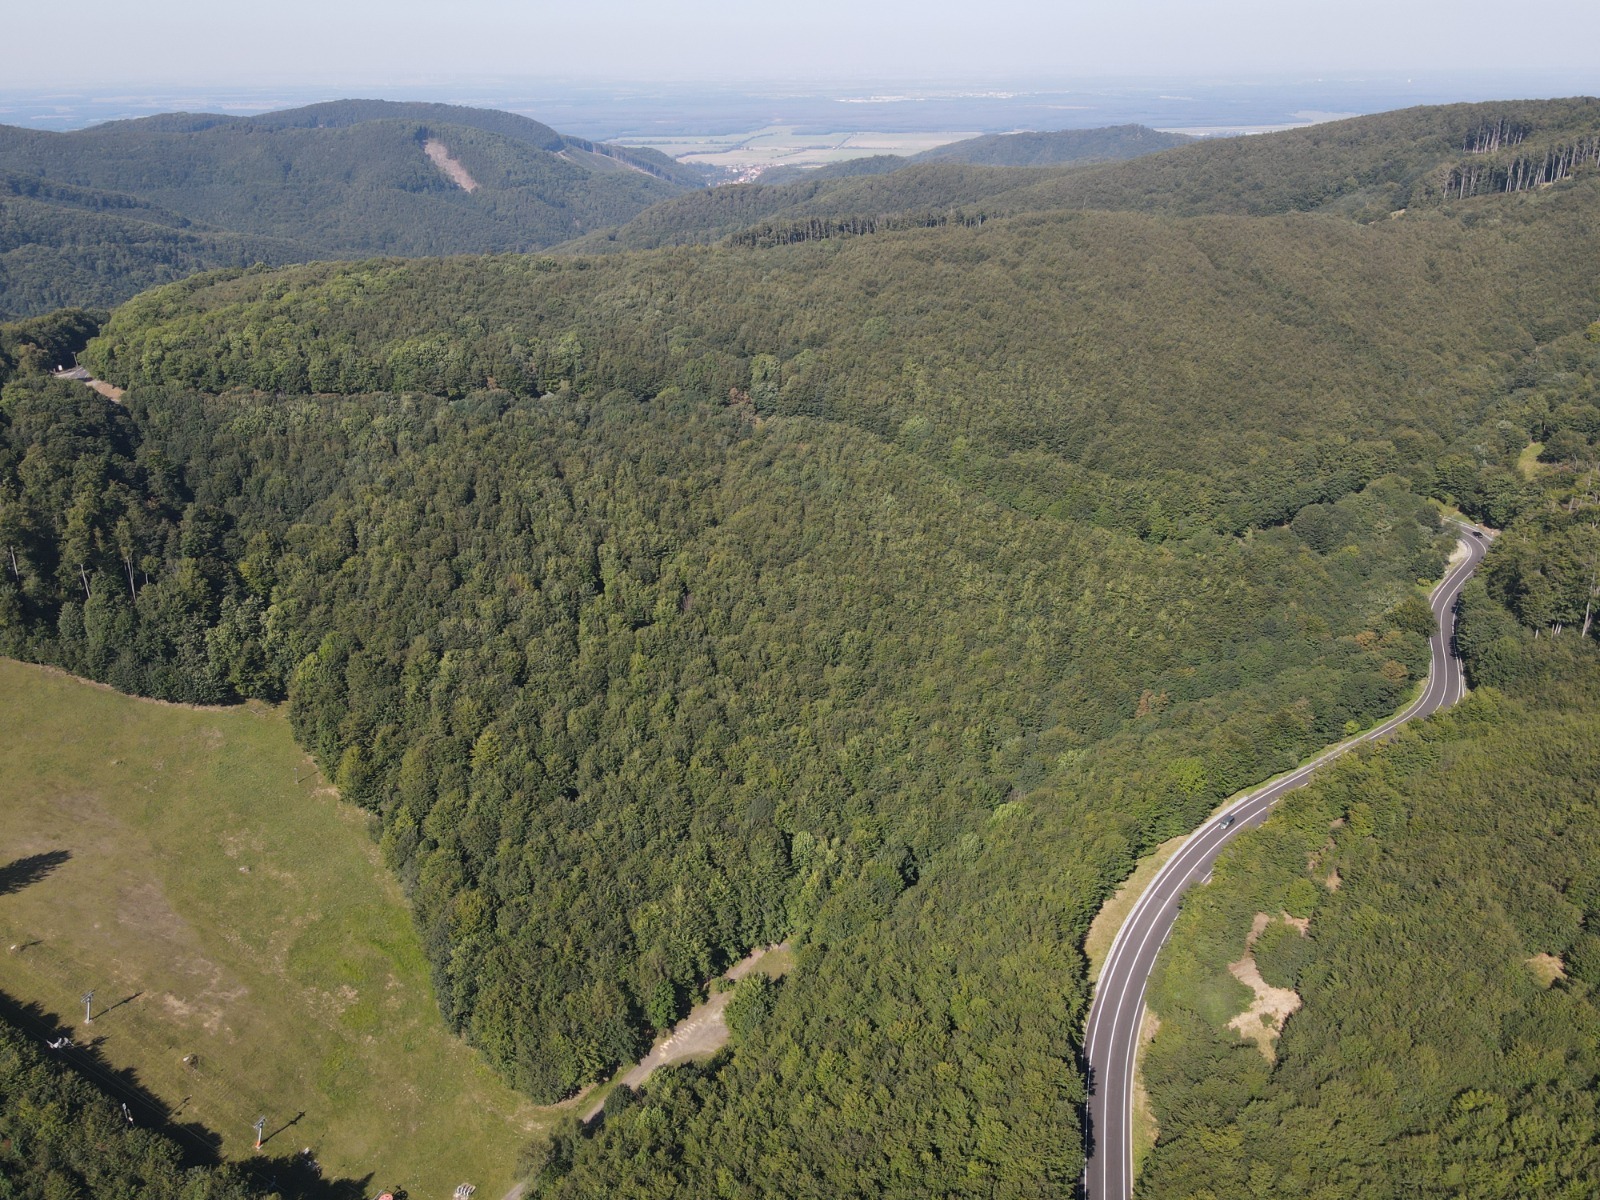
{"type": "Point", "coordinates": [398, 41]}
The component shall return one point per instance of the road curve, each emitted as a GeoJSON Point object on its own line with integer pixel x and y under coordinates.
{"type": "Point", "coordinates": [1112, 1035]}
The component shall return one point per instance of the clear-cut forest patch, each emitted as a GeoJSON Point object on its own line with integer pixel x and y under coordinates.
{"type": "Point", "coordinates": [1262, 1023]}
{"type": "Point", "coordinates": [439, 153]}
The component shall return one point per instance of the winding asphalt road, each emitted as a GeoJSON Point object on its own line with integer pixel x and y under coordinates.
{"type": "Point", "coordinates": [1118, 1009]}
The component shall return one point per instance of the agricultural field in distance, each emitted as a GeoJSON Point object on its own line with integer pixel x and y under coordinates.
{"type": "Point", "coordinates": [225, 912]}
{"type": "Point", "coordinates": [790, 146]}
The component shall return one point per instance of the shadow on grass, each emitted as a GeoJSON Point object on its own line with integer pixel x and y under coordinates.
{"type": "Point", "coordinates": [294, 1177]}
{"type": "Point", "coordinates": [25, 872]}
{"type": "Point", "coordinates": [289, 1124]}
{"type": "Point", "coordinates": [119, 1004]}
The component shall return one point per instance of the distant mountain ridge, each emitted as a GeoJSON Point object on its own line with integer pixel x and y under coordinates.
{"type": "Point", "coordinates": [1111, 143]}
{"type": "Point", "coordinates": [1058, 148]}
{"type": "Point", "coordinates": [96, 215]}
{"type": "Point", "coordinates": [1367, 166]}
{"type": "Point", "coordinates": [342, 114]}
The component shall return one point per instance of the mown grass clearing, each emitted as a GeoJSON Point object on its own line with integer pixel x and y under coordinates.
{"type": "Point", "coordinates": [221, 909]}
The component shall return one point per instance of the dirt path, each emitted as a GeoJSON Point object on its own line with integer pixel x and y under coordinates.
{"type": "Point", "coordinates": [699, 1035]}
{"type": "Point", "coordinates": [110, 391]}
{"type": "Point", "coordinates": [440, 154]}
{"type": "Point", "coordinates": [702, 1033]}
{"type": "Point", "coordinates": [624, 162]}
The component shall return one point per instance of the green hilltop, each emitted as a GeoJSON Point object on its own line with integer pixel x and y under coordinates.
{"type": "Point", "coordinates": [1035, 149]}
{"type": "Point", "coordinates": [93, 216]}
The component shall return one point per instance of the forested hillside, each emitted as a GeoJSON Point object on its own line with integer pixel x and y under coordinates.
{"type": "Point", "coordinates": [93, 216]}
{"type": "Point", "coordinates": [1367, 167]}
{"type": "Point", "coordinates": [849, 199]}
{"type": "Point", "coordinates": [667, 686]}
{"type": "Point", "coordinates": [43, 344]}
{"type": "Point", "coordinates": [1434, 1055]}
{"type": "Point", "coordinates": [1447, 1039]}
{"type": "Point", "coordinates": [62, 246]}
{"type": "Point", "coordinates": [888, 593]}
{"type": "Point", "coordinates": [1152, 376]}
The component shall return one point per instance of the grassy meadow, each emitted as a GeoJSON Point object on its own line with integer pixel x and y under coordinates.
{"type": "Point", "coordinates": [227, 908]}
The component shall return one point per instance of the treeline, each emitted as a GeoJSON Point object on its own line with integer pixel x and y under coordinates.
{"type": "Point", "coordinates": [63, 1138]}
{"type": "Point", "coordinates": [818, 228]}
{"type": "Point", "coordinates": [1521, 172]}
{"type": "Point", "coordinates": [846, 193]}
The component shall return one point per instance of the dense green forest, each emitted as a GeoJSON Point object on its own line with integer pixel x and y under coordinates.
{"type": "Point", "coordinates": [1431, 1056]}
{"type": "Point", "coordinates": [631, 651]}
{"type": "Point", "coordinates": [96, 215]}
{"type": "Point", "coordinates": [1153, 376]}
{"type": "Point", "coordinates": [63, 246]}
{"type": "Point", "coordinates": [889, 593]}
{"type": "Point", "coordinates": [1447, 1043]}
